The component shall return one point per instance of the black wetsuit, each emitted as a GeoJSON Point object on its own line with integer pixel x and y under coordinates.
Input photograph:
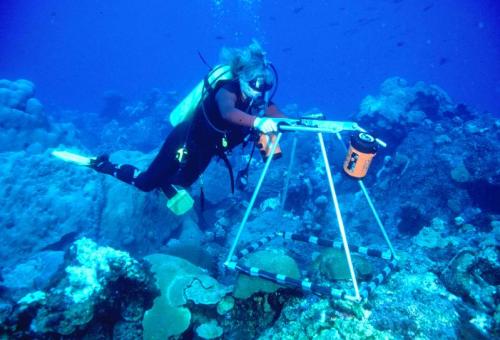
{"type": "Point", "coordinates": [202, 135]}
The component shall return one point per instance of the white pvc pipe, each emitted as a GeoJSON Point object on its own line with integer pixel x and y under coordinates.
{"type": "Point", "coordinates": [287, 180]}
{"type": "Point", "coordinates": [377, 218]}
{"type": "Point", "coordinates": [339, 217]}
{"type": "Point", "coordinates": [252, 200]}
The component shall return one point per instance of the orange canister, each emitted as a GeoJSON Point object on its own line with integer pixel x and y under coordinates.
{"type": "Point", "coordinates": [265, 143]}
{"type": "Point", "coordinates": [362, 149]}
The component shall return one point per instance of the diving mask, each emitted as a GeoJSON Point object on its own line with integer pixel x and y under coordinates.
{"type": "Point", "coordinates": [255, 88]}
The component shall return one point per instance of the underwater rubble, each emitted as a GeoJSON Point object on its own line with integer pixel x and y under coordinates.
{"type": "Point", "coordinates": [83, 255]}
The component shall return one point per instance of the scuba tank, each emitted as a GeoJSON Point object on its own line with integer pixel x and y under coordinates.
{"type": "Point", "coordinates": [189, 104]}
{"type": "Point", "coordinates": [362, 149]}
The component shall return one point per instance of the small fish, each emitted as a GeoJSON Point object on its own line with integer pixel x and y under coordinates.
{"type": "Point", "coordinates": [443, 60]}
{"type": "Point", "coordinates": [400, 43]}
{"type": "Point", "coordinates": [366, 21]}
{"type": "Point", "coordinates": [297, 10]}
{"type": "Point", "coordinates": [286, 49]}
{"type": "Point", "coordinates": [219, 37]}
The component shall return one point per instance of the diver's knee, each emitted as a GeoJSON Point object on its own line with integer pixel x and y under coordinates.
{"type": "Point", "coordinates": [143, 183]}
{"type": "Point", "coordinates": [144, 187]}
{"type": "Point", "coordinates": [130, 174]}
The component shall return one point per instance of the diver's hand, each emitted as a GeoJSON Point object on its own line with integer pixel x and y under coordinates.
{"type": "Point", "coordinates": [265, 125]}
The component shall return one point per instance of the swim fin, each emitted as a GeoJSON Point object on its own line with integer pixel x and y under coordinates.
{"type": "Point", "coordinates": [73, 157]}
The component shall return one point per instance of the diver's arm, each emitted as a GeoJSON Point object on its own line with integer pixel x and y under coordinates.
{"type": "Point", "coordinates": [274, 112]}
{"type": "Point", "coordinates": [226, 101]}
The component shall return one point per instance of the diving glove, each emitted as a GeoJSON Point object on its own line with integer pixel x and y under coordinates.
{"type": "Point", "coordinates": [265, 125]}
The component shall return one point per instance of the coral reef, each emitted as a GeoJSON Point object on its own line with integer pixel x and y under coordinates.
{"type": "Point", "coordinates": [399, 107]}
{"type": "Point", "coordinates": [441, 154]}
{"type": "Point", "coordinates": [24, 124]}
{"type": "Point", "coordinates": [102, 291]}
{"type": "Point", "coordinates": [34, 273]}
{"type": "Point", "coordinates": [473, 274]}
{"type": "Point", "coordinates": [180, 282]}
{"type": "Point", "coordinates": [407, 306]}
{"type": "Point", "coordinates": [209, 330]}
{"type": "Point", "coordinates": [332, 265]}
{"type": "Point", "coordinates": [308, 318]}
{"type": "Point", "coordinates": [412, 220]}
{"type": "Point", "coordinates": [434, 236]}
{"type": "Point", "coordinates": [272, 260]}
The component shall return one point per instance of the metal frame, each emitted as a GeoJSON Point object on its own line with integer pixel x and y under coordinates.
{"type": "Point", "coordinates": [319, 127]}
{"type": "Point", "coordinates": [306, 284]}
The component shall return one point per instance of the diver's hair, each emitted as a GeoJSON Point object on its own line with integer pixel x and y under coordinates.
{"type": "Point", "coordinates": [244, 60]}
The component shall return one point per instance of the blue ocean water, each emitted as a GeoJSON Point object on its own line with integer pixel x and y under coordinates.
{"type": "Point", "coordinates": [330, 54]}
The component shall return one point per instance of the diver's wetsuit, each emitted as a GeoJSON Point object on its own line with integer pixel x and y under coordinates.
{"type": "Point", "coordinates": [202, 135]}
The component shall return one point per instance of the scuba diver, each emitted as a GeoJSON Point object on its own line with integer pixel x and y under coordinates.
{"type": "Point", "coordinates": [235, 100]}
